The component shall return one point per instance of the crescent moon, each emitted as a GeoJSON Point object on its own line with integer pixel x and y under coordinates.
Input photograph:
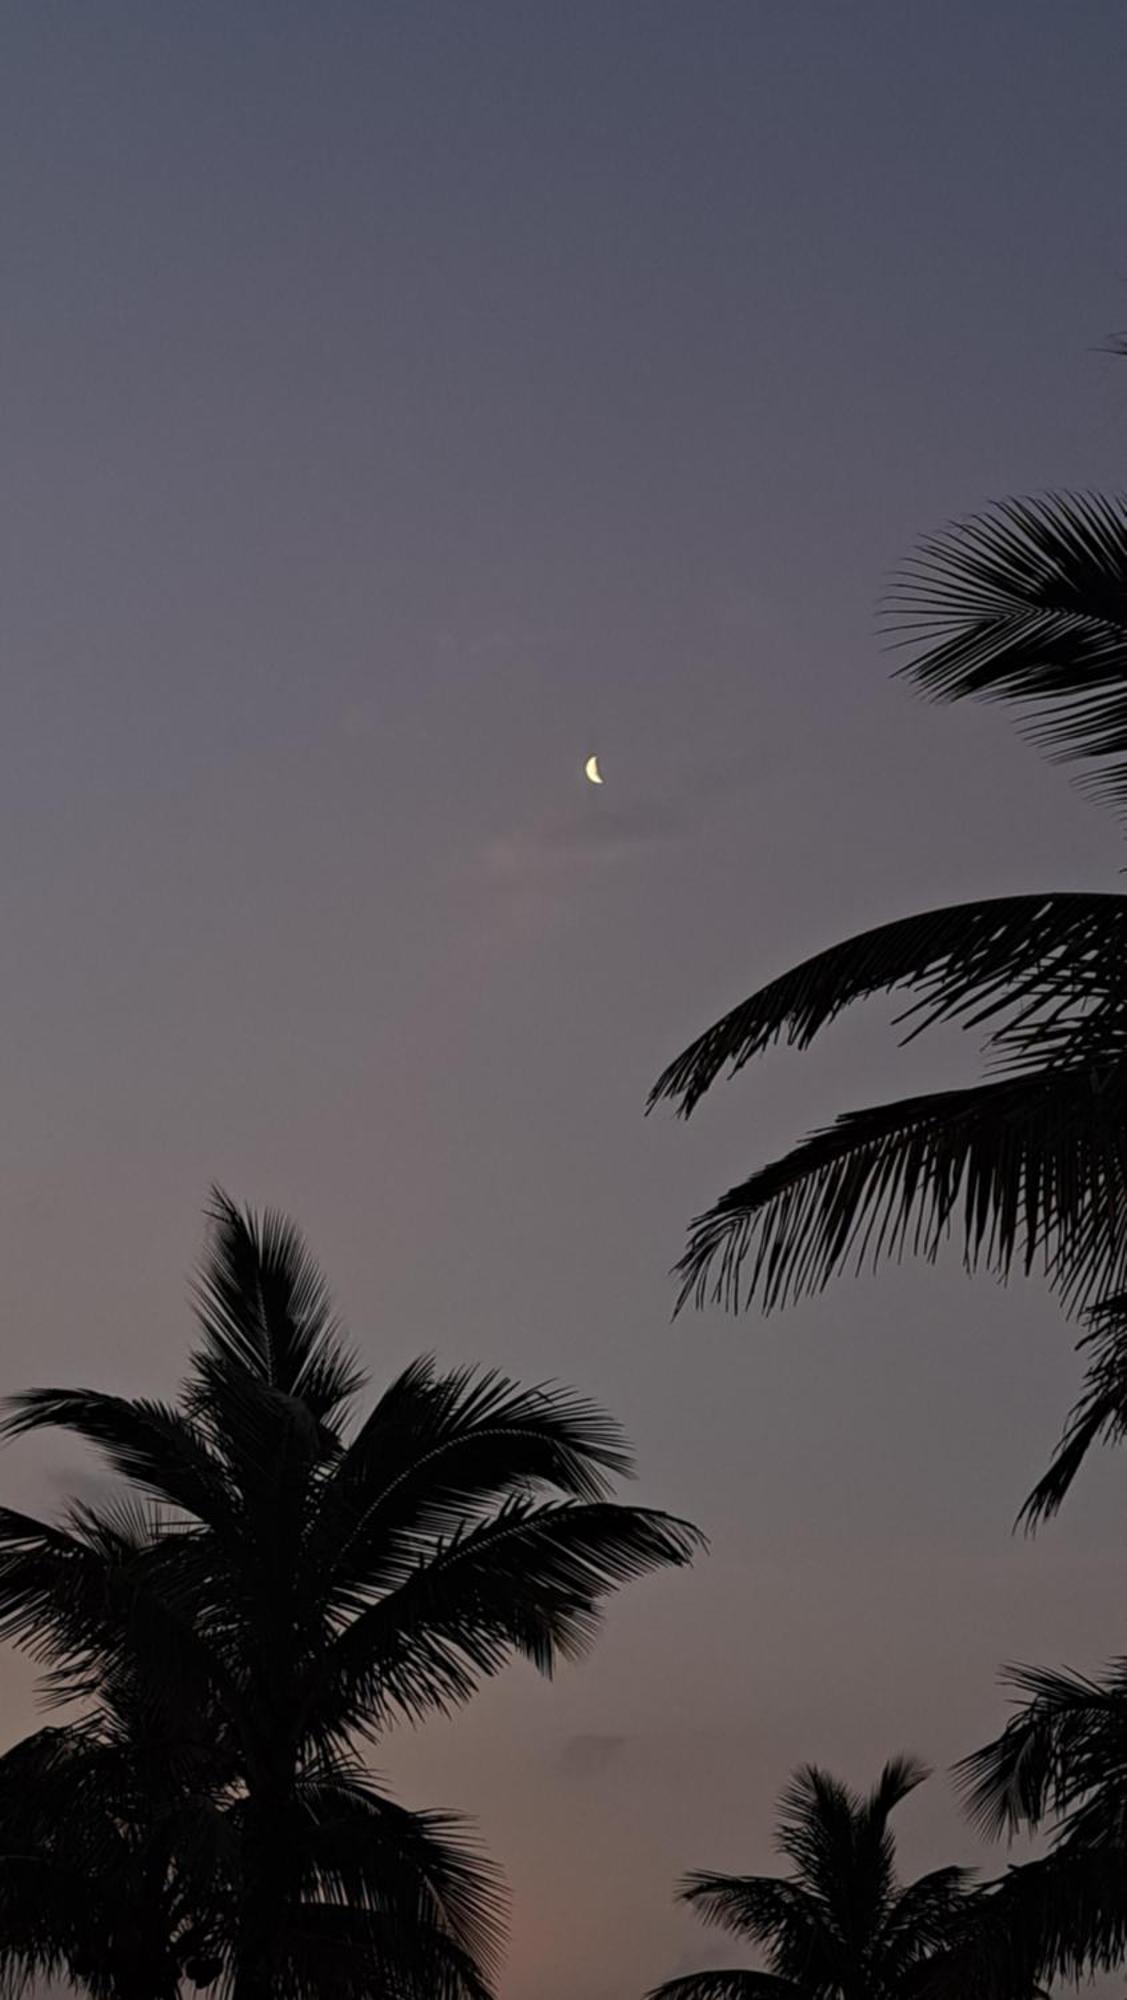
{"type": "Point", "coordinates": [591, 771]}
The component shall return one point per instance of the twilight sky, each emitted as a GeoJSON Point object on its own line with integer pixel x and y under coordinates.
{"type": "Point", "coordinates": [399, 402]}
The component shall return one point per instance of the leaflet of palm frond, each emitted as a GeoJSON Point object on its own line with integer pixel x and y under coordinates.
{"type": "Point", "coordinates": [1028, 604]}
{"type": "Point", "coordinates": [1030, 1169]}
{"type": "Point", "coordinates": [1007, 957]}
{"type": "Point", "coordinates": [1099, 1416]}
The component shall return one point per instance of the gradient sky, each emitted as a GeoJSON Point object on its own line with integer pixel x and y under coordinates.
{"type": "Point", "coordinates": [400, 402]}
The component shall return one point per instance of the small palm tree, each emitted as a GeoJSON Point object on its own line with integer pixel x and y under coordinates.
{"type": "Point", "coordinates": [840, 1926]}
{"type": "Point", "coordinates": [1026, 605]}
{"type": "Point", "coordinates": [304, 1580]}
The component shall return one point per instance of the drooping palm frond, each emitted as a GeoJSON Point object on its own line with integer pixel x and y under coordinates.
{"type": "Point", "coordinates": [370, 1955]}
{"type": "Point", "coordinates": [1013, 958]}
{"type": "Point", "coordinates": [1031, 1168]}
{"type": "Point", "coordinates": [1064, 1753]}
{"type": "Point", "coordinates": [439, 1452]}
{"type": "Point", "coordinates": [529, 1580]}
{"type": "Point", "coordinates": [1063, 1917]}
{"type": "Point", "coordinates": [1028, 604]}
{"type": "Point", "coordinates": [359, 1848]}
{"type": "Point", "coordinates": [153, 1446]}
{"type": "Point", "coordinates": [1099, 1415]}
{"type": "Point", "coordinates": [1059, 1768]}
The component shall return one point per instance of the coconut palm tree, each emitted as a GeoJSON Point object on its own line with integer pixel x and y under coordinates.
{"type": "Point", "coordinates": [121, 1860]}
{"type": "Point", "coordinates": [840, 1925]}
{"type": "Point", "coordinates": [1058, 1769]}
{"type": "Point", "coordinates": [1026, 605]}
{"type": "Point", "coordinates": [307, 1578]}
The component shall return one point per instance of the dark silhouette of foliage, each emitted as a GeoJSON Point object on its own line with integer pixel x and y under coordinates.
{"type": "Point", "coordinates": [840, 1926]}
{"type": "Point", "coordinates": [1059, 1769]}
{"type": "Point", "coordinates": [1028, 1168]}
{"type": "Point", "coordinates": [300, 1580]}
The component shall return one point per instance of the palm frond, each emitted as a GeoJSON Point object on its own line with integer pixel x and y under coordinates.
{"type": "Point", "coordinates": [151, 1444]}
{"type": "Point", "coordinates": [1028, 604]}
{"type": "Point", "coordinates": [900, 1776]}
{"type": "Point", "coordinates": [1030, 1168]}
{"type": "Point", "coordinates": [439, 1452]}
{"type": "Point", "coordinates": [925, 1919]}
{"type": "Point", "coordinates": [528, 1581]}
{"type": "Point", "coordinates": [763, 1908]}
{"type": "Point", "coordinates": [1062, 1917]}
{"type": "Point", "coordinates": [1012, 957]}
{"type": "Point", "coordinates": [1066, 1739]}
{"type": "Point", "coordinates": [730, 1983]}
{"type": "Point", "coordinates": [357, 1954]}
{"type": "Point", "coordinates": [363, 1850]}
{"type": "Point", "coordinates": [1099, 1415]}
{"type": "Point", "coordinates": [264, 1307]}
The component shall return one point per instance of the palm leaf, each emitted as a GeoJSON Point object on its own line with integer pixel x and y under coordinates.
{"type": "Point", "coordinates": [527, 1581]}
{"type": "Point", "coordinates": [148, 1443]}
{"type": "Point", "coordinates": [1028, 604]}
{"type": "Point", "coordinates": [1098, 1416]}
{"type": "Point", "coordinates": [264, 1308]}
{"type": "Point", "coordinates": [1041, 1760]}
{"type": "Point", "coordinates": [725, 1983]}
{"type": "Point", "coordinates": [369, 1853]}
{"type": "Point", "coordinates": [760, 1907]}
{"type": "Point", "coordinates": [1032, 1167]}
{"type": "Point", "coordinates": [437, 1453]}
{"type": "Point", "coordinates": [1012, 956]}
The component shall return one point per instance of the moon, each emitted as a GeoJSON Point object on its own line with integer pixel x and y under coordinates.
{"type": "Point", "coordinates": [591, 771]}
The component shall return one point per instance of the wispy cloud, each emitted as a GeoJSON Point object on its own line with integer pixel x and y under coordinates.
{"type": "Point", "coordinates": [555, 845]}
{"type": "Point", "coordinates": [587, 1756]}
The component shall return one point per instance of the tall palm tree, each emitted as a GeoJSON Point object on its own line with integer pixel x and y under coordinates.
{"type": "Point", "coordinates": [840, 1925]}
{"type": "Point", "coordinates": [1027, 605]}
{"type": "Point", "coordinates": [308, 1579]}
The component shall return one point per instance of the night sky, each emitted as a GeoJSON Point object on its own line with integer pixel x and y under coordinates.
{"type": "Point", "coordinates": [401, 402]}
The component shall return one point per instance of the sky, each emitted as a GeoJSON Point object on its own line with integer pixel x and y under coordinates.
{"type": "Point", "coordinates": [400, 403]}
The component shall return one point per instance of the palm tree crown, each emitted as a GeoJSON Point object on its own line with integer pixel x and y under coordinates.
{"type": "Point", "coordinates": [840, 1926]}
{"type": "Point", "coordinates": [1027, 605]}
{"type": "Point", "coordinates": [304, 1580]}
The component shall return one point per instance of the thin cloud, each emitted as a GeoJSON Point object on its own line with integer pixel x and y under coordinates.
{"type": "Point", "coordinates": [588, 1756]}
{"type": "Point", "coordinates": [556, 845]}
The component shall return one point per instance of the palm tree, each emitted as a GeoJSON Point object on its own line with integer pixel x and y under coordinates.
{"type": "Point", "coordinates": [308, 1580]}
{"type": "Point", "coordinates": [1059, 1769]}
{"type": "Point", "coordinates": [120, 1864]}
{"type": "Point", "coordinates": [1027, 604]}
{"type": "Point", "coordinates": [840, 1925]}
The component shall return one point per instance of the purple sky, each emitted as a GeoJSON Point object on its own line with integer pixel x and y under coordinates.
{"type": "Point", "coordinates": [400, 402]}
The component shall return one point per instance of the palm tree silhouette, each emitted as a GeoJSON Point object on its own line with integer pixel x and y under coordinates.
{"type": "Point", "coordinates": [840, 1926]}
{"type": "Point", "coordinates": [121, 1860]}
{"type": "Point", "coordinates": [1027, 605]}
{"type": "Point", "coordinates": [307, 1582]}
{"type": "Point", "coordinates": [1059, 1768]}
